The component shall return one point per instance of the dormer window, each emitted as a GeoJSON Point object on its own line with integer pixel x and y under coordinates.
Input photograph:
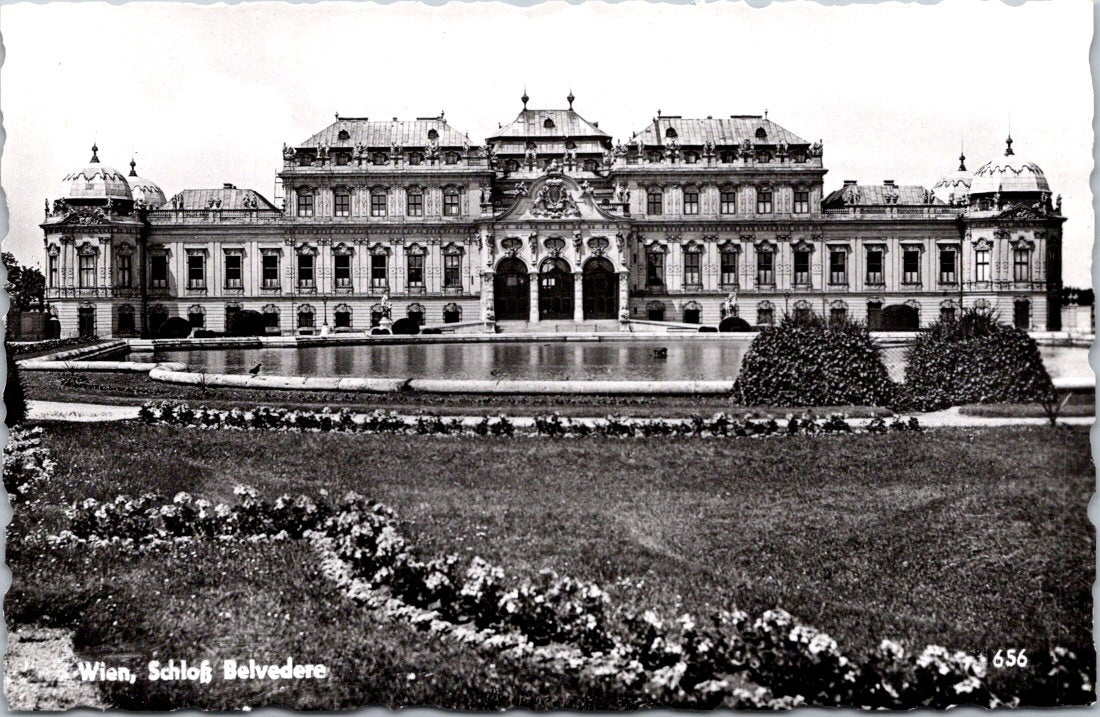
{"type": "Point", "coordinates": [691, 157]}
{"type": "Point", "coordinates": [415, 158]}
{"type": "Point", "coordinates": [378, 159]}
{"type": "Point", "coordinates": [761, 133]}
{"type": "Point", "coordinates": [511, 165]}
{"type": "Point", "coordinates": [342, 160]}
{"type": "Point", "coordinates": [727, 157]}
{"type": "Point", "coordinates": [432, 134]}
{"type": "Point", "coordinates": [343, 135]}
{"type": "Point", "coordinates": [670, 133]}
{"type": "Point", "coordinates": [590, 165]}
{"type": "Point", "coordinates": [548, 124]}
{"type": "Point", "coordinates": [451, 158]}
{"type": "Point", "coordinates": [305, 160]}
{"type": "Point", "coordinates": [653, 157]}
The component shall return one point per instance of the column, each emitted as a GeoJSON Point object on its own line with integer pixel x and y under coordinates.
{"type": "Point", "coordinates": [105, 243]}
{"type": "Point", "coordinates": [578, 295]}
{"type": "Point", "coordinates": [488, 307]}
{"type": "Point", "coordinates": [624, 294]}
{"type": "Point", "coordinates": [534, 309]}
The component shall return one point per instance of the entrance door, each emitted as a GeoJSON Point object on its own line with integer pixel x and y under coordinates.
{"type": "Point", "coordinates": [512, 291]}
{"type": "Point", "coordinates": [900, 317]}
{"type": "Point", "coordinates": [601, 290]}
{"type": "Point", "coordinates": [86, 322]}
{"type": "Point", "coordinates": [555, 290]}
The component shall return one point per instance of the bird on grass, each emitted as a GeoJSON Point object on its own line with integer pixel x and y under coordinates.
{"type": "Point", "coordinates": [255, 370]}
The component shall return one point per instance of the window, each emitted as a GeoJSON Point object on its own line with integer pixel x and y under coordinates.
{"type": "Point", "coordinates": [305, 271]}
{"type": "Point", "coordinates": [691, 200]}
{"type": "Point", "coordinates": [763, 201]}
{"type": "Point", "coordinates": [452, 314]}
{"type": "Point", "coordinates": [233, 271]}
{"type": "Point", "coordinates": [450, 202]}
{"type": "Point", "coordinates": [196, 271]}
{"type": "Point", "coordinates": [87, 271]}
{"type": "Point", "coordinates": [378, 159]}
{"type": "Point", "coordinates": [305, 317]}
{"type": "Point", "coordinates": [655, 269]}
{"type": "Point", "coordinates": [590, 165]}
{"type": "Point", "coordinates": [126, 320]}
{"type": "Point", "coordinates": [343, 135]}
{"type": "Point", "coordinates": [196, 316]}
{"type": "Point", "coordinates": [874, 267]}
{"type": "Point", "coordinates": [693, 275]}
{"type": "Point", "coordinates": [451, 158]}
{"type": "Point", "coordinates": [414, 202]}
{"type": "Point", "coordinates": [691, 157]}
{"type": "Point", "coordinates": [342, 314]}
{"type": "Point", "coordinates": [53, 270]}
{"type": "Point", "coordinates": [1021, 314]}
{"type": "Point", "coordinates": [341, 203]}
{"type": "Point", "coordinates": [765, 314]}
{"type": "Point", "coordinates": [981, 265]}
{"type": "Point", "coordinates": [271, 318]}
{"type": "Point", "coordinates": [838, 267]}
{"type": "Point", "coordinates": [342, 270]}
{"type": "Point", "coordinates": [452, 271]}
{"type": "Point", "coordinates": [378, 271]}
{"type": "Point", "coordinates": [655, 311]}
{"type": "Point", "coordinates": [670, 133]}
{"type": "Point", "coordinates": [947, 266]}
{"type": "Point", "coordinates": [158, 270]}
{"type": "Point", "coordinates": [1021, 265]}
{"type": "Point", "coordinates": [728, 204]}
{"type": "Point", "coordinates": [548, 123]}
{"type": "Point", "coordinates": [693, 312]}
{"type": "Point", "coordinates": [416, 271]}
{"type": "Point", "coordinates": [231, 311]}
{"type": "Point", "coordinates": [874, 315]}
{"type": "Point", "coordinates": [511, 166]}
{"type": "Point", "coordinates": [837, 314]}
{"type": "Point", "coordinates": [801, 267]}
{"type": "Point", "coordinates": [416, 158]}
{"type": "Point", "coordinates": [801, 201]}
{"type": "Point", "coordinates": [270, 270]}
{"type": "Point", "coordinates": [802, 311]}
{"type": "Point", "coordinates": [728, 260]}
{"type": "Point", "coordinates": [654, 202]}
{"type": "Point", "coordinates": [416, 314]}
{"type": "Point", "coordinates": [910, 266]}
{"type": "Point", "coordinates": [378, 203]}
{"type": "Point", "coordinates": [341, 160]}
{"type": "Point", "coordinates": [765, 268]}
{"type": "Point", "coordinates": [947, 313]}
{"type": "Point", "coordinates": [125, 269]}
{"type": "Point", "coordinates": [305, 203]}
{"type": "Point", "coordinates": [727, 157]}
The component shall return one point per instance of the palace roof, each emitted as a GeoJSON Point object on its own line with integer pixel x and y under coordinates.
{"type": "Point", "coordinates": [383, 133]}
{"type": "Point", "coordinates": [95, 181]}
{"type": "Point", "coordinates": [722, 131]}
{"type": "Point", "coordinates": [852, 194]}
{"type": "Point", "coordinates": [228, 197]}
{"type": "Point", "coordinates": [538, 124]}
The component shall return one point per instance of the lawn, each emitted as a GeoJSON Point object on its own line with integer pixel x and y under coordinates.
{"type": "Point", "coordinates": [977, 540]}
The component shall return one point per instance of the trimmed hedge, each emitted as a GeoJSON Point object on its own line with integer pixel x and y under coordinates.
{"type": "Point", "coordinates": [813, 362]}
{"type": "Point", "coordinates": [176, 327]}
{"type": "Point", "coordinates": [246, 323]}
{"type": "Point", "coordinates": [974, 358]}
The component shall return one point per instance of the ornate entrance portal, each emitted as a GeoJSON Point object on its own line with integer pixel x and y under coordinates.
{"type": "Point", "coordinates": [555, 290]}
{"type": "Point", "coordinates": [511, 291]}
{"type": "Point", "coordinates": [601, 290]}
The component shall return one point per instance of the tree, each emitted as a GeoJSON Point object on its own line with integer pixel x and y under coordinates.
{"type": "Point", "coordinates": [26, 286]}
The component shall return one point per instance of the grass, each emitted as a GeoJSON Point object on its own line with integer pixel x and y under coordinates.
{"type": "Point", "coordinates": [978, 540]}
{"type": "Point", "coordinates": [1076, 408]}
{"type": "Point", "coordinates": [133, 389]}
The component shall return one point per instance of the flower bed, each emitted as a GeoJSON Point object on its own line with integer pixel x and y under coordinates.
{"type": "Point", "coordinates": [551, 425]}
{"type": "Point", "coordinates": [26, 463]}
{"type": "Point", "coordinates": [48, 346]}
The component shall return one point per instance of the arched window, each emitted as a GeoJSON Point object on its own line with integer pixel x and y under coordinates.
{"type": "Point", "coordinates": [306, 316]}
{"type": "Point", "coordinates": [947, 310]}
{"type": "Point", "coordinates": [802, 310]}
{"type": "Point", "coordinates": [693, 312]}
{"type": "Point", "coordinates": [655, 311]}
{"type": "Point", "coordinates": [670, 133]}
{"type": "Point", "coordinates": [432, 134]}
{"type": "Point", "coordinates": [415, 312]}
{"type": "Point", "coordinates": [982, 305]}
{"type": "Point", "coordinates": [761, 133]}
{"type": "Point", "coordinates": [342, 316]}
{"type": "Point", "coordinates": [377, 313]}
{"type": "Point", "coordinates": [765, 314]}
{"type": "Point", "coordinates": [343, 135]}
{"type": "Point", "coordinates": [271, 318]}
{"type": "Point", "coordinates": [548, 123]}
{"type": "Point", "coordinates": [838, 312]}
{"type": "Point", "coordinates": [196, 315]}
{"type": "Point", "coordinates": [452, 313]}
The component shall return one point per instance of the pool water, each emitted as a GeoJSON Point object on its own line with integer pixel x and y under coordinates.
{"type": "Point", "coordinates": [626, 360]}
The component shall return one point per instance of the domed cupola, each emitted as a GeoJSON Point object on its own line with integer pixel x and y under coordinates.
{"type": "Point", "coordinates": [1009, 175]}
{"type": "Point", "coordinates": [94, 184]}
{"type": "Point", "coordinates": [955, 187]}
{"type": "Point", "coordinates": [146, 192]}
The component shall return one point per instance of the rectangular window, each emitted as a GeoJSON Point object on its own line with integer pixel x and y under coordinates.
{"type": "Point", "coordinates": [416, 270]}
{"type": "Point", "coordinates": [341, 204]}
{"type": "Point", "coordinates": [910, 266]}
{"type": "Point", "coordinates": [271, 271]}
{"type": "Point", "coordinates": [342, 270]}
{"type": "Point", "coordinates": [378, 271]}
{"type": "Point", "coordinates": [654, 203]}
{"type": "Point", "coordinates": [874, 267]}
{"type": "Point", "coordinates": [305, 271]}
{"type": "Point", "coordinates": [765, 268]}
{"type": "Point", "coordinates": [947, 266]}
{"type": "Point", "coordinates": [233, 271]}
{"type": "Point", "coordinates": [450, 204]}
{"type": "Point", "coordinates": [693, 275]}
{"type": "Point", "coordinates": [377, 204]}
{"type": "Point", "coordinates": [158, 271]}
{"type": "Point", "coordinates": [801, 201]}
{"type": "Point", "coordinates": [305, 319]}
{"type": "Point", "coordinates": [874, 316]}
{"type": "Point", "coordinates": [691, 201]}
{"type": "Point", "coordinates": [802, 268]}
{"type": "Point", "coordinates": [415, 204]}
{"type": "Point", "coordinates": [305, 205]}
{"type": "Point", "coordinates": [53, 271]}
{"type": "Point", "coordinates": [981, 265]}
{"type": "Point", "coordinates": [655, 269]}
{"type": "Point", "coordinates": [729, 268]}
{"type": "Point", "coordinates": [196, 271]}
{"type": "Point", "coordinates": [1021, 265]}
{"type": "Point", "coordinates": [763, 201]}
{"type": "Point", "coordinates": [838, 267]}
{"type": "Point", "coordinates": [452, 271]}
{"type": "Point", "coordinates": [765, 316]}
{"type": "Point", "coordinates": [197, 319]}
{"type": "Point", "coordinates": [125, 270]}
{"type": "Point", "coordinates": [729, 201]}
{"type": "Point", "coordinates": [87, 271]}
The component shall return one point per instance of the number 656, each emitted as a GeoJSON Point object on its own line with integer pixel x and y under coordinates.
{"type": "Point", "coordinates": [1010, 658]}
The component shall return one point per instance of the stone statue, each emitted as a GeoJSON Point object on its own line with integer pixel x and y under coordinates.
{"type": "Point", "coordinates": [433, 149]}
{"type": "Point", "coordinates": [1058, 204]}
{"type": "Point", "coordinates": [782, 148]}
{"type": "Point", "coordinates": [466, 146]}
{"type": "Point", "coordinates": [578, 244]}
{"type": "Point", "coordinates": [322, 151]}
{"type": "Point", "coordinates": [531, 155]}
{"type": "Point", "coordinates": [620, 192]}
{"type": "Point", "coordinates": [608, 158]}
{"type": "Point", "coordinates": [387, 307]}
{"type": "Point", "coordinates": [729, 306]}
{"type": "Point", "coordinates": [288, 152]}
{"type": "Point", "coordinates": [533, 245]}
{"type": "Point", "coordinates": [816, 149]}
{"type": "Point", "coordinates": [586, 188]}
{"type": "Point", "coordinates": [746, 147]}
{"type": "Point", "coordinates": [553, 167]}
{"type": "Point", "coordinates": [708, 149]}
{"type": "Point", "coordinates": [486, 194]}
{"type": "Point", "coordinates": [620, 150]}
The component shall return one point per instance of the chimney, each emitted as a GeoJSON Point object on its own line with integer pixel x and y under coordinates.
{"type": "Point", "coordinates": [888, 183]}
{"type": "Point", "coordinates": [227, 185]}
{"type": "Point", "coordinates": [851, 182]}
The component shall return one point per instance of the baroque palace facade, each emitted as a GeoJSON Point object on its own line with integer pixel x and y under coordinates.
{"type": "Point", "coordinates": [689, 221]}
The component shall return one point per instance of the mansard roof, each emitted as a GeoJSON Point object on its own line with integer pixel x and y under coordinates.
{"type": "Point", "coordinates": [721, 131]}
{"type": "Point", "coordinates": [230, 198]}
{"type": "Point", "coordinates": [384, 133]}
{"type": "Point", "coordinates": [532, 123]}
{"type": "Point", "coordinates": [852, 194]}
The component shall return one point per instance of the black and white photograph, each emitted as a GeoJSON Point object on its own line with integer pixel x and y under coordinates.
{"type": "Point", "coordinates": [548, 356]}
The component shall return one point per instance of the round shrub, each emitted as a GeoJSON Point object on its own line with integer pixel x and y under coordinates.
{"type": "Point", "coordinates": [176, 327]}
{"type": "Point", "coordinates": [974, 358]}
{"type": "Point", "coordinates": [813, 362]}
{"type": "Point", "coordinates": [405, 327]}
{"type": "Point", "coordinates": [246, 323]}
{"type": "Point", "coordinates": [734, 323]}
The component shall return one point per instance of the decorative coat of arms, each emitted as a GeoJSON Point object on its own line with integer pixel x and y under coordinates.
{"type": "Point", "coordinates": [554, 201]}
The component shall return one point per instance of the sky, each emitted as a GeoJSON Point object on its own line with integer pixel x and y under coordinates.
{"type": "Point", "coordinates": [201, 95]}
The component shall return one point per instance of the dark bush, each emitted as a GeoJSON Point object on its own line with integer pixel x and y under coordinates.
{"type": "Point", "coordinates": [246, 323]}
{"type": "Point", "coordinates": [708, 329]}
{"type": "Point", "coordinates": [813, 362]}
{"type": "Point", "coordinates": [206, 334]}
{"type": "Point", "coordinates": [405, 327]}
{"type": "Point", "coordinates": [436, 330]}
{"type": "Point", "coordinates": [734, 323]}
{"type": "Point", "coordinates": [974, 358]}
{"type": "Point", "coordinates": [379, 331]}
{"type": "Point", "coordinates": [176, 327]}
{"type": "Point", "coordinates": [14, 399]}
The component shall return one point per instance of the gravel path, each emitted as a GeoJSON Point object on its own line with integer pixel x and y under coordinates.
{"type": "Point", "coordinates": [40, 672]}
